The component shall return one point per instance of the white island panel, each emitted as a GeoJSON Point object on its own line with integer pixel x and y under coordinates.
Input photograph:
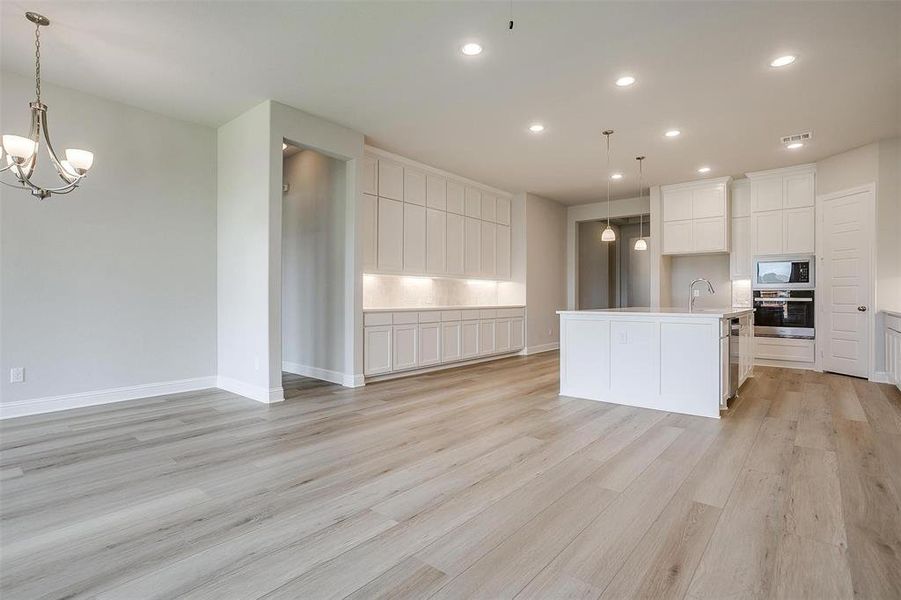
{"type": "Point", "coordinates": [586, 372]}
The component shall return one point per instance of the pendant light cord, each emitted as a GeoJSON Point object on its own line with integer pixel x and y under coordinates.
{"type": "Point", "coordinates": [607, 133]}
{"type": "Point", "coordinates": [640, 160]}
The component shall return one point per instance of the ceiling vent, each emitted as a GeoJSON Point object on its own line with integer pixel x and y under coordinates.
{"type": "Point", "coordinates": [797, 137]}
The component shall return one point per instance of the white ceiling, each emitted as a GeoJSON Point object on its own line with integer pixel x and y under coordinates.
{"type": "Point", "coordinates": [394, 72]}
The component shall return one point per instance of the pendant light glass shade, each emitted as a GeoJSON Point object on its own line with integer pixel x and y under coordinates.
{"type": "Point", "coordinates": [640, 244]}
{"type": "Point", "coordinates": [608, 235]}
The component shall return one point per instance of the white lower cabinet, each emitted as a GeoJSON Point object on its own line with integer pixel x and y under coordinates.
{"type": "Point", "coordinates": [502, 335]}
{"type": "Point", "coordinates": [517, 334]}
{"type": "Point", "coordinates": [470, 339]}
{"type": "Point", "coordinates": [486, 337]}
{"type": "Point", "coordinates": [377, 350]}
{"type": "Point", "coordinates": [893, 349]}
{"type": "Point", "coordinates": [451, 341]}
{"type": "Point", "coordinates": [429, 344]}
{"type": "Point", "coordinates": [405, 351]}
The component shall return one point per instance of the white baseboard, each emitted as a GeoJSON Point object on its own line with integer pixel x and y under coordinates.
{"type": "Point", "coordinates": [881, 377]}
{"type": "Point", "coordinates": [36, 406]}
{"type": "Point", "coordinates": [248, 390]}
{"type": "Point", "coordinates": [345, 379]}
{"type": "Point", "coordinates": [541, 348]}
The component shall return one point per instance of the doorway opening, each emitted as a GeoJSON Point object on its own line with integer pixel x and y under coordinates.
{"type": "Point", "coordinates": [614, 274]}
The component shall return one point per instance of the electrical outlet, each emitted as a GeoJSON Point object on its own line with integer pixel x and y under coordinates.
{"type": "Point", "coordinates": [17, 375]}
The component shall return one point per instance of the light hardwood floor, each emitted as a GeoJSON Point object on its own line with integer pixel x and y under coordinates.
{"type": "Point", "coordinates": [480, 482]}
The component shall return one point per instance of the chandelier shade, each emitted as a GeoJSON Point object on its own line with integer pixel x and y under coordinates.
{"type": "Point", "coordinates": [22, 152]}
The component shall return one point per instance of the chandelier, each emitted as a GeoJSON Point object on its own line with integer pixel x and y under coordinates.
{"type": "Point", "coordinates": [21, 152]}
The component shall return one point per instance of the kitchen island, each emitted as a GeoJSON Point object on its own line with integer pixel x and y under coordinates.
{"type": "Point", "coordinates": [662, 358]}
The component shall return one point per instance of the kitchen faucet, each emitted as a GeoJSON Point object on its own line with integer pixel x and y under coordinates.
{"type": "Point", "coordinates": [691, 297]}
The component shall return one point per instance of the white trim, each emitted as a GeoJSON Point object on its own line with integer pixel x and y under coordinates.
{"type": "Point", "coordinates": [254, 392]}
{"type": "Point", "coordinates": [529, 350]}
{"type": "Point", "coordinates": [442, 367]}
{"type": "Point", "coordinates": [881, 377]}
{"type": "Point", "coordinates": [433, 170]}
{"type": "Point", "coordinates": [36, 406]}
{"type": "Point", "coordinates": [727, 180]}
{"type": "Point", "coordinates": [807, 168]}
{"type": "Point", "coordinates": [345, 379]}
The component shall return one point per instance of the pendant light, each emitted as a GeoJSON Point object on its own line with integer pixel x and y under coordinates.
{"type": "Point", "coordinates": [22, 152]}
{"type": "Point", "coordinates": [640, 243]}
{"type": "Point", "coordinates": [608, 234]}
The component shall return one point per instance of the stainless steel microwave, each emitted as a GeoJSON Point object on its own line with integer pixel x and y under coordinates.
{"type": "Point", "coordinates": [795, 272]}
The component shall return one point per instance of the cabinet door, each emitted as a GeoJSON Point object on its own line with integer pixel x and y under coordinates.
{"type": "Point", "coordinates": [489, 208]}
{"type": "Point", "coordinates": [391, 180]}
{"type": "Point", "coordinates": [486, 337]}
{"type": "Point", "coordinates": [414, 186]}
{"type": "Point", "coordinates": [451, 341]}
{"type": "Point", "coordinates": [799, 227]}
{"type": "Point", "coordinates": [766, 194]}
{"type": "Point", "coordinates": [405, 351]}
{"type": "Point", "coordinates": [724, 370]}
{"type": "Point", "coordinates": [708, 202]}
{"type": "Point", "coordinates": [740, 257]}
{"type": "Point", "coordinates": [455, 244]}
{"type": "Point", "coordinates": [472, 246]}
{"type": "Point", "coordinates": [436, 241]}
{"type": "Point", "coordinates": [469, 333]}
{"type": "Point", "coordinates": [503, 252]}
{"type": "Point", "coordinates": [677, 237]}
{"type": "Point", "coordinates": [488, 255]}
{"type": "Point", "coordinates": [766, 232]}
{"type": "Point", "coordinates": [391, 235]}
{"type": "Point", "coordinates": [502, 335]}
{"type": "Point", "coordinates": [741, 198]}
{"type": "Point", "coordinates": [370, 232]}
{"type": "Point", "coordinates": [414, 238]}
{"type": "Point", "coordinates": [436, 192]}
{"type": "Point", "coordinates": [676, 205]}
{"type": "Point", "coordinates": [455, 192]}
{"type": "Point", "coordinates": [503, 211]}
{"type": "Point", "coordinates": [376, 350]}
{"type": "Point", "coordinates": [429, 344]}
{"type": "Point", "coordinates": [709, 235]}
{"type": "Point", "coordinates": [370, 175]}
{"type": "Point", "coordinates": [517, 334]}
{"type": "Point", "coordinates": [473, 203]}
{"type": "Point", "coordinates": [798, 190]}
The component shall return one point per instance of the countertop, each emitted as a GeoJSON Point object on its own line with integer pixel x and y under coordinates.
{"type": "Point", "coordinates": [721, 313]}
{"type": "Point", "coordinates": [894, 313]}
{"type": "Point", "coordinates": [427, 308]}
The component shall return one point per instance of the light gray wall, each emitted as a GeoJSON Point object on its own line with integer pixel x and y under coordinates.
{"type": "Point", "coordinates": [545, 276]}
{"type": "Point", "coordinates": [312, 254]}
{"type": "Point", "coordinates": [113, 285]}
{"type": "Point", "coordinates": [714, 267]}
{"type": "Point", "coordinates": [597, 271]}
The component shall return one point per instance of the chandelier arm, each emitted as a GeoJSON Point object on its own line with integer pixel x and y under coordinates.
{"type": "Point", "coordinates": [45, 129]}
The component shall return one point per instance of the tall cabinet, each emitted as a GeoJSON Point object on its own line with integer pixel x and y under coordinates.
{"type": "Point", "coordinates": [696, 217]}
{"type": "Point", "coordinates": [782, 211]}
{"type": "Point", "coordinates": [420, 221]}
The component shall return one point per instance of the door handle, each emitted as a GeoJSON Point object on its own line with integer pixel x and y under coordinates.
{"type": "Point", "coordinates": [862, 308]}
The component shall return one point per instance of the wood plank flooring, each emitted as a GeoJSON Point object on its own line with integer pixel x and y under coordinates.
{"type": "Point", "coordinates": [478, 482]}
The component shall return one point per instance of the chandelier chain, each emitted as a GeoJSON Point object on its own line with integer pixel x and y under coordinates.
{"type": "Point", "coordinates": [37, 62]}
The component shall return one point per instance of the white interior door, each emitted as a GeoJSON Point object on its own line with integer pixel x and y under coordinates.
{"type": "Point", "coordinates": [845, 282]}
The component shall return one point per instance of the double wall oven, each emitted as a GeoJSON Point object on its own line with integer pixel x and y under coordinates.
{"type": "Point", "coordinates": [784, 296]}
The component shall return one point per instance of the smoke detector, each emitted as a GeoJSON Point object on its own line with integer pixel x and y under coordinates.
{"type": "Point", "coordinates": [797, 137]}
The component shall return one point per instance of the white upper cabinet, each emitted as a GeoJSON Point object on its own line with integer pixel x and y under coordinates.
{"type": "Point", "coordinates": [455, 195]}
{"type": "Point", "coordinates": [414, 186]}
{"type": "Point", "coordinates": [503, 252]}
{"type": "Point", "coordinates": [390, 235]}
{"type": "Point", "coordinates": [414, 238]}
{"type": "Point", "coordinates": [740, 254]}
{"type": "Point", "coordinates": [472, 246]}
{"type": "Point", "coordinates": [454, 258]}
{"type": "Point", "coordinates": [783, 212]}
{"type": "Point", "coordinates": [436, 192]}
{"type": "Point", "coordinates": [370, 232]}
{"type": "Point", "coordinates": [370, 175]}
{"type": "Point", "coordinates": [503, 211]}
{"type": "Point", "coordinates": [473, 203]}
{"type": "Point", "coordinates": [391, 180]}
{"type": "Point", "coordinates": [489, 208]}
{"type": "Point", "coordinates": [488, 254]}
{"type": "Point", "coordinates": [696, 217]}
{"type": "Point", "coordinates": [741, 198]}
{"type": "Point", "coordinates": [436, 241]}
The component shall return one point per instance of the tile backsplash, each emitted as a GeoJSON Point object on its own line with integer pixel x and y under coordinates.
{"type": "Point", "coordinates": [399, 291]}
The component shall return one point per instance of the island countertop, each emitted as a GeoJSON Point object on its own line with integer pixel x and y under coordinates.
{"type": "Point", "coordinates": [719, 313]}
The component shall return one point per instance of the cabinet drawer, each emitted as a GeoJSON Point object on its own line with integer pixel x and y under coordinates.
{"type": "Point", "coordinates": [379, 318]}
{"type": "Point", "coordinates": [451, 315]}
{"type": "Point", "coordinates": [784, 349]}
{"type": "Point", "coordinates": [405, 318]}
{"type": "Point", "coordinates": [433, 316]}
{"type": "Point", "coordinates": [488, 313]}
{"type": "Point", "coordinates": [469, 315]}
{"type": "Point", "coordinates": [504, 313]}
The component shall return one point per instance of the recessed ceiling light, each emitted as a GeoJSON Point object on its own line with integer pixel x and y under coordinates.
{"type": "Point", "coordinates": [672, 133]}
{"type": "Point", "coordinates": [625, 80]}
{"type": "Point", "coordinates": [783, 61]}
{"type": "Point", "coordinates": [704, 170]}
{"type": "Point", "coordinates": [471, 49]}
{"type": "Point", "coordinates": [536, 127]}
{"type": "Point", "coordinates": [616, 176]}
{"type": "Point", "coordinates": [795, 145]}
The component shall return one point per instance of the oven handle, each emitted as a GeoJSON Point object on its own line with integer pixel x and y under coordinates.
{"type": "Point", "coordinates": [783, 299]}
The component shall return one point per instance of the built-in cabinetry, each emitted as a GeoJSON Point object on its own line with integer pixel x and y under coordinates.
{"type": "Point", "coordinates": [782, 211]}
{"type": "Point", "coordinates": [741, 255]}
{"type": "Point", "coordinates": [408, 340]}
{"type": "Point", "coordinates": [744, 354]}
{"type": "Point", "coordinates": [696, 217]}
{"type": "Point", "coordinates": [893, 348]}
{"type": "Point", "coordinates": [418, 221]}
